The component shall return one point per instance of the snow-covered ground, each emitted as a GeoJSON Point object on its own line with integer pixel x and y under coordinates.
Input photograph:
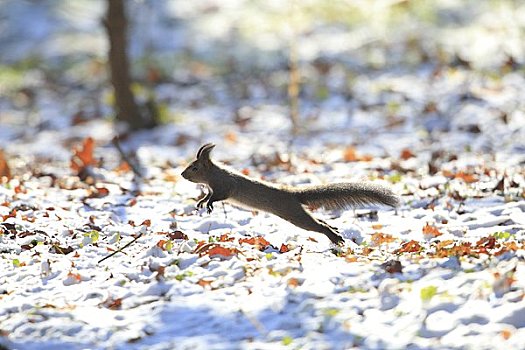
{"type": "Point", "coordinates": [446, 133]}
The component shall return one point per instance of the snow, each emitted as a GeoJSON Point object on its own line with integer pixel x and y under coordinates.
{"type": "Point", "coordinates": [164, 291]}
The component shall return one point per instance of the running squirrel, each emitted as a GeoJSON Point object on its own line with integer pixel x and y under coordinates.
{"type": "Point", "coordinates": [284, 201]}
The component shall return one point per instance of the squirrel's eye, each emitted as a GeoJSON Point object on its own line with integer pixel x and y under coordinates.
{"type": "Point", "coordinates": [194, 168]}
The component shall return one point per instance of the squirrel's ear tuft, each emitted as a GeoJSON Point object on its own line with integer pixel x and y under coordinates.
{"type": "Point", "coordinates": [204, 151]}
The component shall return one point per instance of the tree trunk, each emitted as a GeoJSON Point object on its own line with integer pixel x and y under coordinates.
{"type": "Point", "coordinates": [126, 107]}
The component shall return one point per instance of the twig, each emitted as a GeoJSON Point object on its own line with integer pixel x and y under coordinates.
{"type": "Point", "coordinates": [121, 249]}
{"type": "Point", "coordinates": [126, 158]}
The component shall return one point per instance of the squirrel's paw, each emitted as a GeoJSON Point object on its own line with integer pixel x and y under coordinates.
{"type": "Point", "coordinates": [199, 205]}
{"type": "Point", "coordinates": [209, 208]}
{"type": "Point", "coordinates": [337, 240]}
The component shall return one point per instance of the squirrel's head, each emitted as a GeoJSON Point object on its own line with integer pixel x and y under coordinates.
{"type": "Point", "coordinates": [198, 170]}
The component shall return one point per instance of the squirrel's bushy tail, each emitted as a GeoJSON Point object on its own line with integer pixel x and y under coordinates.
{"type": "Point", "coordinates": [346, 195]}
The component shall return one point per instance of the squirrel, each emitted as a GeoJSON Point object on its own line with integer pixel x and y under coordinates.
{"type": "Point", "coordinates": [284, 201]}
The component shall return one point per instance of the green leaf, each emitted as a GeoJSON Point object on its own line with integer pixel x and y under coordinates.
{"type": "Point", "coordinates": [501, 235]}
{"type": "Point", "coordinates": [16, 263]}
{"type": "Point", "coordinates": [332, 312]}
{"type": "Point", "coordinates": [394, 178]}
{"type": "Point", "coordinates": [287, 340]}
{"type": "Point", "coordinates": [427, 293]}
{"type": "Point", "coordinates": [93, 235]}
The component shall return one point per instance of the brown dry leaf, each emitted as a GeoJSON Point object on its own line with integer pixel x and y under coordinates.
{"type": "Point", "coordinates": [231, 137]}
{"type": "Point", "coordinates": [409, 247]}
{"type": "Point", "coordinates": [293, 282]}
{"type": "Point", "coordinates": [98, 192]}
{"type": "Point", "coordinates": [20, 189]}
{"type": "Point", "coordinates": [5, 171]}
{"type": "Point", "coordinates": [171, 177]}
{"type": "Point", "coordinates": [392, 266]}
{"type": "Point", "coordinates": [506, 334]}
{"type": "Point", "coordinates": [146, 223]}
{"type": "Point", "coordinates": [83, 155]}
{"type": "Point", "coordinates": [258, 241]}
{"type": "Point", "coordinates": [377, 226]}
{"type": "Point", "coordinates": [113, 304]}
{"type": "Point", "coordinates": [351, 258]}
{"type": "Point", "coordinates": [123, 167]}
{"type": "Point", "coordinates": [485, 243]}
{"type": "Point", "coordinates": [75, 276]}
{"type": "Point", "coordinates": [406, 154]}
{"type": "Point", "coordinates": [284, 248]}
{"type": "Point", "coordinates": [443, 244]}
{"type": "Point", "coordinates": [162, 244]}
{"type": "Point", "coordinates": [350, 155]}
{"type": "Point", "coordinates": [461, 249]}
{"type": "Point", "coordinates": [431, 230]}
{"type": "Point", "coordinates": [177, 235]}
{"type": "Point", "coordinates": [222, 251]}
{"type": "Point", "coordinates": [55, 248]}
{"type": "Point", "coordinates": [225, 238]}
{"type": "Point", "coordinates": [511, 246]}
{"type": "Point", "coordinates": [448, 173]}
{"type": "Point", "coordinates": [160, 273]}
{"type": "Point", "coordinates": [204, 283]}
{"type": "Point", "coordinates": [468, 178]}
{"type": "Point", "coordinates": [367, 250]}
{"type": "Point", "coordinates": [381, 238]}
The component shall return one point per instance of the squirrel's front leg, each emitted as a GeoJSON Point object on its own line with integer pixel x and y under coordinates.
{"type": "Point", "coordinates": [215, 197]}
{"type": "Point", "coordinates": [206, 198]}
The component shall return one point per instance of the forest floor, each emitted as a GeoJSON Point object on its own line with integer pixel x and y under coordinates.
{"type": "Point", "coordinates": [445, 131]}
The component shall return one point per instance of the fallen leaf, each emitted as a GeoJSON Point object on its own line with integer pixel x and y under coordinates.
{"type": "Point", "coordinates": [392, 266]}
{"type": "Point", "coordinates": [427, 293]}
{"type": "Point", "coordinates": [350, 155]}
{"type": "Point", "coordinates": [284, 248]}
{"type": "Point", "coordinates": [204, 283]}
{"type": "Point", "coordinates": [5, 171]}
{"type": "Point", "coordinates": [406, 154]}
{"type": "Point", "coordinates": [468, 178]}
{"type": "Point", "coordinates": [231, 137]}
{"type": "Point", "coordinates": [258, 241]}
{"type": "Point", "coordinates": [177, 235]}
{"type": "Point", "coordinates": [351, 258]}
{"type": "Point", "coordinates": [221, 251]}
{"type": "Point", "coordinates": [381, 238]}
{"type": "Point", "coordinates": [98, 192]}
{"type": "Point", "coordinates": [443, 244]}
{"type": "Point", "coordinates": [83, 155]}
{"type": "Point", "coordinates": [293, 282]}
{"type": "Point", "coordinates": [409, 247]}
{"type": "Point", "coordinates": [225, 238]}
{"type": "Point", "coordinates": [55, 248]}
{"type": "Point", "coordinates": [431, 231]}
{"type": "Point", "coordinates": [506, 334]}
{"type": "Point", "coordinates": [113, 304]}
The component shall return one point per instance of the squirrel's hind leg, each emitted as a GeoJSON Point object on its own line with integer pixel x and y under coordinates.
{"type": "Point", "coordinates": [304, 220]}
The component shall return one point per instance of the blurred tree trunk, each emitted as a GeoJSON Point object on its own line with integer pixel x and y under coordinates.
{"type": "Point", "coordinates": [126, 107]}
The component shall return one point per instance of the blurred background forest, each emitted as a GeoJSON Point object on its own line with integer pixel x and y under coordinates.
{"type": "Point", "coordinates": [311, 61]}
